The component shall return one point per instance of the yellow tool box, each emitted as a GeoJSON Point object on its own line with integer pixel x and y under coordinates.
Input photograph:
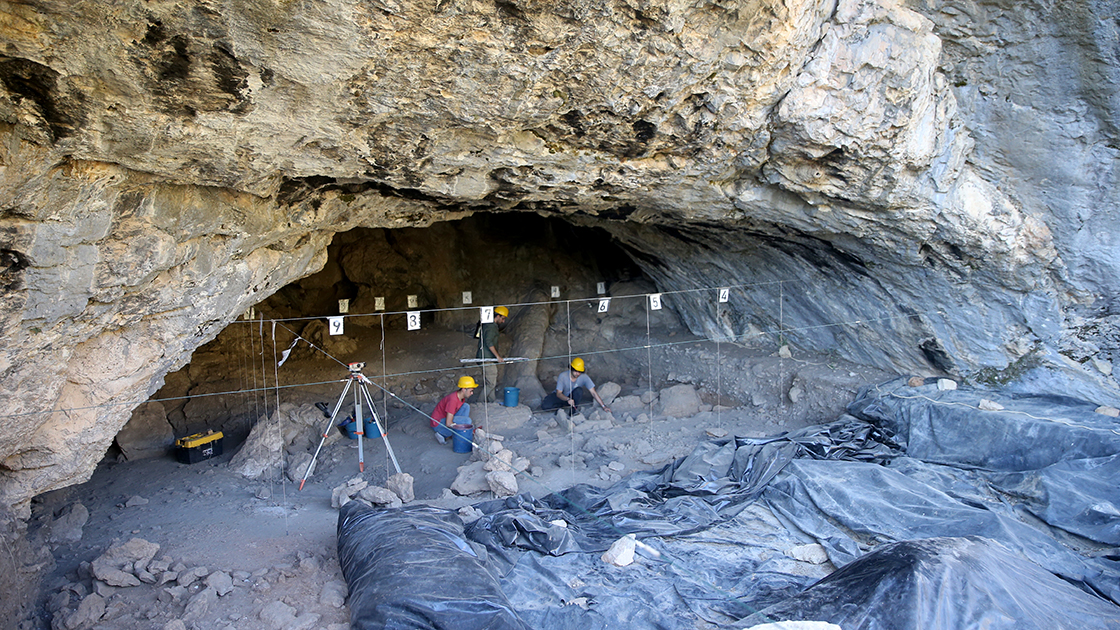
{"type": "Point", "coordinates": [195, 448]}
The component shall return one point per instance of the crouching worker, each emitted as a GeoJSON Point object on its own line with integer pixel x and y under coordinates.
{"type": "Point", "coordinates": [453, 409]}
{"type": "Point", "coordinates": [570, 385]}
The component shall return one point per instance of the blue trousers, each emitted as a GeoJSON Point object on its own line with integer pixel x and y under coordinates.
{"type": "Point", "coordinates": [463, 416]}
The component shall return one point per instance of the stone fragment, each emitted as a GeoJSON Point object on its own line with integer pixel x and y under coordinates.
{"type": "Point", "coordinates": [609, 391]}
{"type": "Point", "coordinates": [401, 485]}
{"type": "Point", "coordinates": [989, 405]}
{"type": "Point", "coordinates": [1108, 411]}
{"type": "Point", "coordinates": [784, 352]}
{"type": "Point", "coordinates": [378, 495]}
{"type": "Point", "coordinates": [199, 605]}
{"type": "Point", "coordinates": [916, 381]}
{"type": "Point", "coordinates": [648, 396]}
{"type": "Point", "coordinates": [58, 601]}
{"type": "Point", "coordinates": [794, 394]}
{"type": "Point", "coordinates": [298, 467]}
{"type": "Point", "coordinates": [113, 566]}
{"type": "Point", "coordinates": [67, 528]}
{"type": "Point", "coordinates": [333, 594]}
{"type": "Point", "coordinates": [89, 612]}
{"type": "Point", "coordinates": [500, 461]}
{"type": "Point", "coordinates": [470, 480]}
{"type": "Point", "coordinates": [616, 466]}
{"type": "Point", "coordinates": [502, 483]}
{"type": "Point", "coordinates": [812, 553]}
{"type": "Point", "coordinates": [520, 464]}
{"type": "Point", "coordinates": [172, 594]}
{"type": "Point", "coordinates": [621, 553]}
{"type": "Point", "coordinates": [281, 616]}
{"type": "Point", "coordinates": [221, 582]}
{"type": "Point", "coordinates": [175, 624]}
{"type": "Point", "coordinates": [309, 563]}
{"type": "Point", "coordinates": [190, 576]}
{"type": "Point", "coordinates": [1103, 366]}
{"type": "Point", "coordinates": [469, 514]}
{"type": "Point", "coordinates": [945, 384]}
{"type": "Point", "coordinates": [343, 493]}
{"type": "Point", "coordinates": [570, 460]}
{"type": "Point", "coordinates": [135, 500]}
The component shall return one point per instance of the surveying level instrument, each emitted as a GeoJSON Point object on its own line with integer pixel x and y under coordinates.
{"type": "Point", "coordinates": [361, 393]}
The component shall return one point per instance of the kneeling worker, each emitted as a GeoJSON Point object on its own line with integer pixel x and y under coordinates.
{"type": "Point", "coordinates": [569, 389]}
{"type": "Point", "coordinates": [453, 409]}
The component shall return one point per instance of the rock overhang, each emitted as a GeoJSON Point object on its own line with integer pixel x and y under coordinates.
{"type": "Point", "coordinates": [162, 180]}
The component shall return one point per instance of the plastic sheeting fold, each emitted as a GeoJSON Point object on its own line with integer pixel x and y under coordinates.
{"type": "Point", "coordinates": [938, 515]}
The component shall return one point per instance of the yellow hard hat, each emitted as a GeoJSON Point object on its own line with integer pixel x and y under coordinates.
{"type": "Point", "coordinates": [466, 382]}
{"type": "Point", "coordinates": [577, 364]}
{"type": "Point", "coordinates": [501, 310]}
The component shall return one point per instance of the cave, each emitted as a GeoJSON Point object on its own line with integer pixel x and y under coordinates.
{"type": "Point", "coordinates": [808, 225]}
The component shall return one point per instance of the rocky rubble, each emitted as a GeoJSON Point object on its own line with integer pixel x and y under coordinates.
{"type": "Point", "coordinates": [128, 586]}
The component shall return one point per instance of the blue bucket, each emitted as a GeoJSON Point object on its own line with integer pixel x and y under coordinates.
{"type": "Point", "coordinates": [350, 428]}
{"type": "Point", "coordinates": [511, 396]}
{"type": "Point", "coordinates": [461, 436]}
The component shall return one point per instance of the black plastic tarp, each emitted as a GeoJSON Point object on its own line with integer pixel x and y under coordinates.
{"type": "Point", "coordinates": [412, 568]}
{"type": "Point", "coordinates": [939, 514]}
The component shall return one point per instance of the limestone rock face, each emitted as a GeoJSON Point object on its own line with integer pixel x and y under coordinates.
{"type": "Point", "coordinates": [147, 434]}
{"type": "Point", "coordinates": [940, 184]}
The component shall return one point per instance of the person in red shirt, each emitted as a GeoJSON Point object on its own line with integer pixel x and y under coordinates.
{"type": "Point", "coordinates": [453, 409]}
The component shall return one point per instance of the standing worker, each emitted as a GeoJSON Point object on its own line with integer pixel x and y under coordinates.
{"type": "Point", "coordinates": [488, 349]}
{"type": "Point", "coordinates": [569, 389]}
{"type": "Point", "coordinates": [453, 409]}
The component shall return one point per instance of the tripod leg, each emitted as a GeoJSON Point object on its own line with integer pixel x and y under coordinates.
{"type": "Point", "coordinates": [361, 432]}
{"type": "Point", "coordinates": [384, 433]}
{"type": "Point", "coordinates": [330, 423]}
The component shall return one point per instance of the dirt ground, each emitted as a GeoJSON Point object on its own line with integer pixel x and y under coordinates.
{"type": "Point", "coordinates": [276, 543]}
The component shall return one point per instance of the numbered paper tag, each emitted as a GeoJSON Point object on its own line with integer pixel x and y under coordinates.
{"type": "Point", "coordinates": [413, 320]}
{"type": "Point", "coordinates": [466, 297]}
{"type": "Point", "coordinates": [344, 306]}
{"type": "Point", "coordinates": [601, 288]}
{"type": "Point", "coordinates": [413, 301]}
{"type": "Point", "coordinates": [335, 325]}
{"type": "Point", "coordinates": [604, 305]}
{"type": "Point", "coordinates": [655, 301]}
{"type": "Point", "coordinates": [378, 303]}
{"type": "Point", "coordinates": [555, 292]}
{"type": "Point", "coordinates": [249, 314]}
{"type": "Point", "coordinates": [486, 314]}
{"type": "Point", "coordinates": [723, 295]}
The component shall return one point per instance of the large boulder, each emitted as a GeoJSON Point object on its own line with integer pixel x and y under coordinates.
{"type": "Point", "coordinates": [147, 433]}
{"type": "Point", "coordinates": [679, 401]}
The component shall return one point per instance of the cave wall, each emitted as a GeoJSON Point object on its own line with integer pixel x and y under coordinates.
{"type": "Point", "coordinates": [165, 166]}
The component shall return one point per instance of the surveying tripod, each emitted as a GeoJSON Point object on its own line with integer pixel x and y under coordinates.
{"type": "Point", "coordinates": [361, 392]}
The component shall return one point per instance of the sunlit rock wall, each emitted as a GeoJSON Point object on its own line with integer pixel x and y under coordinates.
{"type": "Point", "coordinates": [939, 173]}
